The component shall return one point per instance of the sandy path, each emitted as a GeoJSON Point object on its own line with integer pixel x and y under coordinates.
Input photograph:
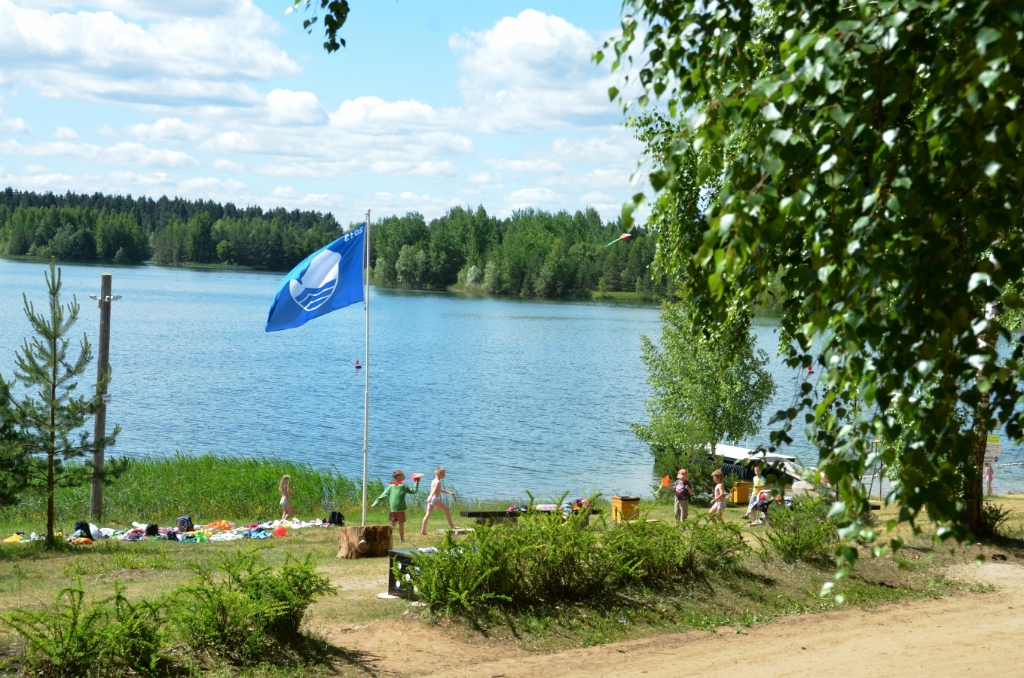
{"type": "Point", "coordinates": [904, 639]}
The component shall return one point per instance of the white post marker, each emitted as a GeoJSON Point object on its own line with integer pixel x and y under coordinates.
{"type": "Point", "coordinates": [366, 365]}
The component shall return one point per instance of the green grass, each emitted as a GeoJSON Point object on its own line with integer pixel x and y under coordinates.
{"type": "Point", "coordinates": [207, 487]}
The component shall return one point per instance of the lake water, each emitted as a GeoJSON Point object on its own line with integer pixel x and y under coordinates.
{"type": "Point", "coordinates": [508, 395]}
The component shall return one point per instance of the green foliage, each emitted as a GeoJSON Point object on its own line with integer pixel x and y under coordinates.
{"type": "Point", "coordinates": [532, 253]}
{"type": "Point", "coordinates": [74, 638]}
{"type": "Point", "coordinates": [243, 610]}
{"type": "Point", "coordinates": [870, 155]}
{"type": "Point", "coordinates": [335, 12]}
{"type": "Point", "coordinates": [121, 229]}
{"type": "Point", "coordinates": [73, 234]}
{"type": "Point", "coordinates": [51, 441]}
{"type": "Point", "coordinates": [207, 487]}
{"type": "Point", "coordinates": [238, 611]}
{"type": "Point", "coordinates": [542, 562]}
{"type": "Point", "coordinates": [709, 386]}
{"type": "Point", "coordinates": [996, 517]}
{"type": "Point", "coordinates": [801, 532]}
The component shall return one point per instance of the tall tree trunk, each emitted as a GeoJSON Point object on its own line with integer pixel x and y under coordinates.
{"type": "Point", "coordinates": [974, 498]}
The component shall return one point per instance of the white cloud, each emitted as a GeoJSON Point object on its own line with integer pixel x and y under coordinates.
{"type": "Point", "coordinates": [168, 129]}
{"type": "Point", "coordinates": [525, 165]}
{"type": "Point", "coordinates": [533, 71]}
{"type": "Point", "coordinates": [150, 179]}
{"type": "Point", "coordinates": [13, 125]}
{"type": "Point", "coordinates": [64, 133]}
{"type": "Point", "coordinates": [125, 152]}
{"type": "Point", "coordinates": [532, 197]}
{"type": "Point", "coordinates": [171, 59]}
{"type": "Point", "coordinates": [39, 182]}
{"type": "Point", "coordinates": [34, 169]}
{"type": "Point", "coordinates": [212, 187]}
{"type": "Point", "coordinates": [621, 148]}
{"type": "Point", "coordinates": [385, 202]}
{"type": "Point", "coordinates": [287, 107]}
{"type": "Point", "coordinates": [228, 165]}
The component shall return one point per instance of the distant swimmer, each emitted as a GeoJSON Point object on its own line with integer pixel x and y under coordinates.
{"type": "Point", "coordinates": [358, 366]}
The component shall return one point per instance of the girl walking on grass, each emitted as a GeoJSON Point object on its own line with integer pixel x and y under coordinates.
{"type": "Point", "coordinates": [286, 497]}
{"type": "Point", "coordinates": [718, 501]}
{"type": "Point", "coordinates": [434, 499]}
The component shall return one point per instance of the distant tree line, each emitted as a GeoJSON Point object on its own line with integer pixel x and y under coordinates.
{"type": "Point", "coordinates": [531, 254]}
{"type": "Point", "coordinates": [122, 229]}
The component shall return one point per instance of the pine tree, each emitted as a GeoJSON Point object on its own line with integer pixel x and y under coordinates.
{"type": "Point", "coordinates": [50, 439]}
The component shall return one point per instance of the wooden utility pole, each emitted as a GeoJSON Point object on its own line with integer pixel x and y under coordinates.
{"type": "Point", "coordinates": [102, 371]}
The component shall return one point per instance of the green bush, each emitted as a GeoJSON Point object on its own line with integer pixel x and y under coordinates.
{"type": "Point", "coordinates": [73, 638]}
{"type": "Point", "coordinates": [801, 532]}
{"type": "Point", "coordinates": [712, 548]}
{"type": "Point", "coordinates": [240, 609]}
{"type": "Point", "coordinates": [543, 561]}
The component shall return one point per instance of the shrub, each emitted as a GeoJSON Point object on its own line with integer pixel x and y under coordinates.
{"type": "Point", "coordinates": [72, 638]}
{"type": "Point", "coordinates": [543, 561]}
{"type": "Point", "coordinates": [251, 609]}
{"type": "Point", "coordinates": [712, 548]}
{"type": "Point", "coordinates": [801, 532]}
{"type": "Point", "coordinates": [995, 517]}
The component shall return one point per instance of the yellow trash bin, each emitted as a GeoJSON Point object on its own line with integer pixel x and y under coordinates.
{"type": "Point", "coordinates": [625, 508]}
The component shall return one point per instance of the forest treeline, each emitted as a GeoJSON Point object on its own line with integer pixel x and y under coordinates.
{"type": "Point", "coordinates": [532, 253]}
{"type": "Point", "coordinates": [122, 229]}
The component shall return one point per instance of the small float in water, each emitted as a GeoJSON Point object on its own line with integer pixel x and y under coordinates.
{"type": "Point", "coordinates": [358, 366]}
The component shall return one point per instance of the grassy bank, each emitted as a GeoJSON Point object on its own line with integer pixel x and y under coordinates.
{"type": "Point", "coordinates": [737, 591]}
{"type": "Point", "coordinates": [207, 487]}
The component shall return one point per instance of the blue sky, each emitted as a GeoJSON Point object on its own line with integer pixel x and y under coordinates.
{"type": "Point", "coordinates": [430, 105]}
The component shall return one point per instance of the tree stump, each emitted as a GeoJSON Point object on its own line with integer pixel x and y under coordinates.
{"type": "Point", "coordinates": [372, 541]}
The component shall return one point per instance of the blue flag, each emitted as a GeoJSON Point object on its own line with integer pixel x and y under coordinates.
{"type": "Point", "coordinates": [326, 280]}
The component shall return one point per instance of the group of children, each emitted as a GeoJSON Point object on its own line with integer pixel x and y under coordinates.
{"type": "Point", "coordinates": [395, 493]}
{"type": "Point", "coordinates": [684, 493]}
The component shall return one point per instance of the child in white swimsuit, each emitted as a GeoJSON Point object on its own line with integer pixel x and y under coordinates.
{"type": "Point", "coordinates": [434, 499]}
{"type": "Point", "coordinates": [718, 501]}
{"type": "Point", "coordinates": [286, 497]}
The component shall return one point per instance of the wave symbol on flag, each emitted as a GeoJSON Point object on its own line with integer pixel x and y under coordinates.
{"type": "Point", "coordinates": [317, 284]}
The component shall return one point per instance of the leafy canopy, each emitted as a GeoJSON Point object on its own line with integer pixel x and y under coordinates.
{"type": "Point", "coordinates": [335, 12]}
{"type": "Point", "coordinates": [869, 153]}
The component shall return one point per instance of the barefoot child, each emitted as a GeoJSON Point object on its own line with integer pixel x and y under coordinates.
{"type": "Point", "coordinates": [434, 499]}
{"type": "Point", "coordinates": [718, 501]}
{"type": "Point", "coordinates": [395, 493]}
{"type": "Point", "coordinates": [285, 486]}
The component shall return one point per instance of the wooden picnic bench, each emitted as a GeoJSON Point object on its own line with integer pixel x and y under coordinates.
{"type": "Point", "coordinates": [492, 517]}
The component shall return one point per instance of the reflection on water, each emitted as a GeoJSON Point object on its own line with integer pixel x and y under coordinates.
{"type": "Point", "coordinates": [507, 394]}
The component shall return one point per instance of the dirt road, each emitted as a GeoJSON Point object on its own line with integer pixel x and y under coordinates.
{"type": "Point", "coordinates": [985, 632]}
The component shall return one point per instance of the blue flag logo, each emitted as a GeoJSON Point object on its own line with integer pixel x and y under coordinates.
{"type": "Point", "coordinates": [328, 279]}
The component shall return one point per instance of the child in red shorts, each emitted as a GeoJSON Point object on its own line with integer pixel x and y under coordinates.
{"type": "Point", "coordinates": [395, 493]}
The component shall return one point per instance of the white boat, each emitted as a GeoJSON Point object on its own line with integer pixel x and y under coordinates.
{"type": "Point", "coordinates": [742, 456]}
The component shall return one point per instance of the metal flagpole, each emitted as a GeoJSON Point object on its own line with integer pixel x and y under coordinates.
{"type": "Point", "coordinates": [366, 365]}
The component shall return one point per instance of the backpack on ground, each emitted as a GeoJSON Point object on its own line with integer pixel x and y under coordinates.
{"type": "Point", "coordinates": [185, 524]}
{"type": "Point", "coordinates": [152, 530]}
{"type": "Point", "coordinates": [336, 519]}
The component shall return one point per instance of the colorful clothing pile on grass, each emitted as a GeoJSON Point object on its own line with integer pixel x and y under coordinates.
{"type": "Point", "coordinates": [218, 530]}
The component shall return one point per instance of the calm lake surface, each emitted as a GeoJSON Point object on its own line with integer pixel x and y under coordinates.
{"type": "Point", "coordinates": [508, 395]}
